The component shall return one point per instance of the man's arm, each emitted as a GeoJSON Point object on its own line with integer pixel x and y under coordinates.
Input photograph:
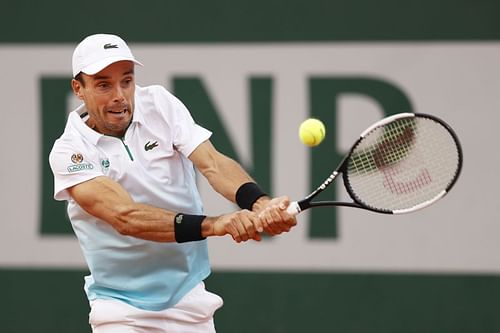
{"type": "Point", "coordinates": [110, 202]}
{"type": "Point", "coordinates": [226, 176]}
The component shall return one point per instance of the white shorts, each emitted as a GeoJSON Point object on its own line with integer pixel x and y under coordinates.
{"type": "Point", "coordinates": [193, 314]}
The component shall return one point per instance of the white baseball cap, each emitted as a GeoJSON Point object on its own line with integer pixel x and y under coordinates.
{"type": "Point", "coordinates": [97, 52]}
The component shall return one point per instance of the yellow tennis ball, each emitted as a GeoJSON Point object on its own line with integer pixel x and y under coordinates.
{"type": "Point", "coordinates": [311, 132]}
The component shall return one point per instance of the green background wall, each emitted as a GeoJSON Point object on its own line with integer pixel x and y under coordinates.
{"type": "Point", "coordinates": [250, 21]}
{"type": "Point", "coordinates": [45, 300]}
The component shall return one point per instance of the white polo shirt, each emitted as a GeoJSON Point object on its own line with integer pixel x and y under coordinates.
{"type": "Point", "coordinates": [151, 163]}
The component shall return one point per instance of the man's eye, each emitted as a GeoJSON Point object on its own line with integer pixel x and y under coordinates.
{"type": "Point", "coordinates": [127, 83]}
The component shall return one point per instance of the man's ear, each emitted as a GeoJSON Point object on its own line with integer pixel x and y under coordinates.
{"type": "Point", "coordinates": [77, 88]}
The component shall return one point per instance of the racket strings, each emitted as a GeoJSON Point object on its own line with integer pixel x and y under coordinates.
{"type": "Point", "coordinates": [378, 151]}
{"type": "Point", "coordinates": [402, 164]}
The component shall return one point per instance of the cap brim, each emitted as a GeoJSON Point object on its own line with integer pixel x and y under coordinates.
{"type": "Point", "coordinates": [100, 65]}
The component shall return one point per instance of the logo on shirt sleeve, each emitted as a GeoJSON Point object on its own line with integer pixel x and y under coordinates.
{"type": "Point", "coordinates": [77, 158]}
{"type": "Point", "coordinates": [78, 164]}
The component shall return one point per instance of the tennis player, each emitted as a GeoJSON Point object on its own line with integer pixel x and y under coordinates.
{"type": "Point", "coordinates": [125, 164]}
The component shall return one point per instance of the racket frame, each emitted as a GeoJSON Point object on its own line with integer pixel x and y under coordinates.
{"type": "Point", "coordinates": [296, 207]}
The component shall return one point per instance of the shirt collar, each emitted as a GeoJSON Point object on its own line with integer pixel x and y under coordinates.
{"type": "Point", "coordinates": [138, 114]}
{"type": "Point", "coordinates": [78, 122]}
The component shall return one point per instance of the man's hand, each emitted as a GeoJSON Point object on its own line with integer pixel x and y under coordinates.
{"type": "Point", "coordinates": [241, 225]}
{"type": "Point", "coordinates": [273, 215]}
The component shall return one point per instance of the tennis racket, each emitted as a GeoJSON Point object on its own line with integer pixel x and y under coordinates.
{"type": "Point", "coordinates": [400, 164]}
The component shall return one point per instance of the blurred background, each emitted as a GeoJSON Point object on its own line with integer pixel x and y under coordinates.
{"type": "Point", "coordinates": [252, 71]}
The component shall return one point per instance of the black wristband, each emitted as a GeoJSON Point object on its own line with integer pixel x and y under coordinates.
{"type": "Point", "coordinates": [188, 227]}
{"type": "Point", "coordinates": [247, 194]}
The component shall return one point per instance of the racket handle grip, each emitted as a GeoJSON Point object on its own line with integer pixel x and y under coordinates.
{"type": "Point", "coordinates": [293, 208]}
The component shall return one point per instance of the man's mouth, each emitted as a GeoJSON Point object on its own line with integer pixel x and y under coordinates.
{"type": "Point", "coordinates": [118, 111]}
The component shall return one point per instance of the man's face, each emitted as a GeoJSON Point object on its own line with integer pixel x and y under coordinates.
{"type": "Point", "coordinates": [109, 97]}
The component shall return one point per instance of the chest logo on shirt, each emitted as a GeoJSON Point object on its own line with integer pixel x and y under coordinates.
{"type": "Point", "coordinates": [105, 165]}
{"type": "Point", "coordinates": [149, 145]}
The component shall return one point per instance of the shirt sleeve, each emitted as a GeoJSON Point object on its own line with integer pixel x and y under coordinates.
{"type": "Point", "coordinates": [71, 166]}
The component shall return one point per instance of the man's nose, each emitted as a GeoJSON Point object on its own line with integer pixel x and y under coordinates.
{"type": "Point", "coordinates": [118, 95]}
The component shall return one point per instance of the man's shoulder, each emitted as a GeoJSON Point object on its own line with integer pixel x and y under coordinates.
{"type": "Point", "coordinates": [156, 95]}
{"type": "Point", "coordinates": [155, 102]}
{"type": "Point", "coordinates": [67, 141]}
{"type": "Point", "coordinates": [154, 90]}
{"type": "Point", "coordinates": [70, 139]}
